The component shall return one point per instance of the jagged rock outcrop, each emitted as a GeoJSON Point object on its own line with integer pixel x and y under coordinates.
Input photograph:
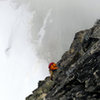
{"type": "Point", "coordinates": [78, 77]}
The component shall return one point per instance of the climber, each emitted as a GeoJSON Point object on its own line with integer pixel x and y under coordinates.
{"type": "Point", "coordinates": [52, 68]}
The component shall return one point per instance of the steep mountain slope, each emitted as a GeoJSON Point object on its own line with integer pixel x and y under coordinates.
{"type": "Point", "coordinates": [78, 76]}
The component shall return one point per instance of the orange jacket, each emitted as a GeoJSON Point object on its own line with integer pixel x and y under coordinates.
{"type": "Point", "coordinates": [53, 66]}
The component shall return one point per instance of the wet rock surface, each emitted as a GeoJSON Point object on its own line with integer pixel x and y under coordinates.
{"type": "Point", "coordinates": [78, 76]}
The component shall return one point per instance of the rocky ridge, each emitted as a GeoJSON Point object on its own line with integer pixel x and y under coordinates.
{"type": "Point", "coordinates": [78, 76]}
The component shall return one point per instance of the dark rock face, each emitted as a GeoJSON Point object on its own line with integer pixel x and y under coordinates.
{"type": "Point", "coordinates": [78, 77]}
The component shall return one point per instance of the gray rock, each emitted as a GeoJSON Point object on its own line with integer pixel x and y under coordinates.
{"type": "Point", "coordinates": [78, 76]}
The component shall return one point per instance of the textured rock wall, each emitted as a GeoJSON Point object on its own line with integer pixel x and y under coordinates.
{"type": "Point", "coordinates": [78, 76]}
